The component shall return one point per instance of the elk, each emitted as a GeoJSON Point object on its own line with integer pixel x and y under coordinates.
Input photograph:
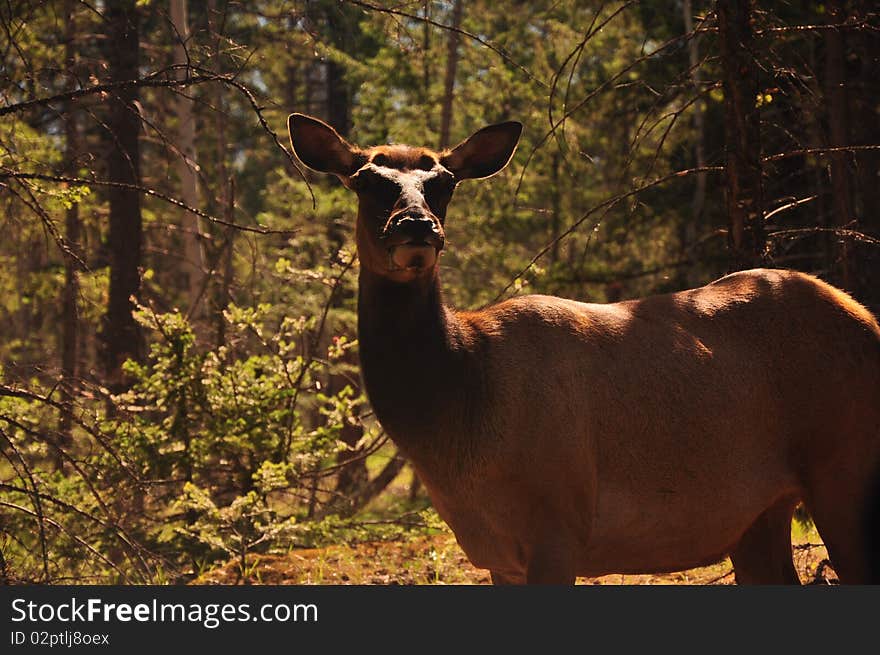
{"type": "Point", "coordinates": [562, 439]}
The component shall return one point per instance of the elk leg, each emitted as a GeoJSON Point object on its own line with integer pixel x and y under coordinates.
{"type": "Point", "coordinates": [550, 564]}
{"type": "Point", "coordinates": [842, 515]}
{"type": "Point", "coordinates": [763, 553]}
{"type": "Point", "coordinates": [499, 578]}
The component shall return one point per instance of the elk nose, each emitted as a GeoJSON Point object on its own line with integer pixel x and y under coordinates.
{"type": "Point", "coordinates": [417, 228]}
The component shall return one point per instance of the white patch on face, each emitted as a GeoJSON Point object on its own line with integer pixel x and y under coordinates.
{"type": "Point", "coordinates": [411, 182]}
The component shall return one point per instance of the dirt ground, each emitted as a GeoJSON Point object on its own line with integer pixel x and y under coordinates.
{"type": "Point", "coordinates": [438, 559]}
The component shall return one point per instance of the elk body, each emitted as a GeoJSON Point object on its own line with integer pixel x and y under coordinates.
{"type": "Point", "coordinates": [560, 438]}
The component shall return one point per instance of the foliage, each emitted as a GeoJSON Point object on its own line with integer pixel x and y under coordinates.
{"type": "Point", "coordinates": [218, 452]}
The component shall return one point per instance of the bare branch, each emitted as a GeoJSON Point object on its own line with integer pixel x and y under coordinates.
{"type": "Point", "coordinates": [423, 19]}
{"type": "Point", "coordinates": [606, 204]}
{"type": "Point", "coordinates": [787, 206]}
{"type": "Point", "coordinates": [161, 79]}
{"type": "Point", "coordinates": [806, 29]}
{"type": "Point", "coordinates": [35, 500]}
{"type": "Point", "coordinates": [592, 94]}
{"type": "Point", "coordinates": [843, 233]}
{"type": "Point", "coordinates": [146, 191]}
{"type": "Point", "coordinates": [817, 151]}
{"type": "Point", "coordinates": [155, 79]}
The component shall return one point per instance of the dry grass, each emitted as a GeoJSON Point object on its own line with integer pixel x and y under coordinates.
{"type": "Point", "coordinates": [438, 560]}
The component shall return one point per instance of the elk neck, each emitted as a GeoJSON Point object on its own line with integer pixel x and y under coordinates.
{"type": "Point", "coordinates": [421, 367]}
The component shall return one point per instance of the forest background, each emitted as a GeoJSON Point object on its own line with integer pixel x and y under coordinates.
{"type": "Point", "coordinates": [179, 384]}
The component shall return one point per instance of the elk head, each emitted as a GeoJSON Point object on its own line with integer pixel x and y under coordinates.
{"type": "Point", "coordinates": [402, 191]}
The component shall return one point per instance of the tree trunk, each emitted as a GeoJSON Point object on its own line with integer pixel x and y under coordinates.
{"type": "Point", "coordinates": [375, 486]}
{"type": "Point", "coordinates": [338, 100]}
{"type": "Point", "coordinates": [120, 333]}
{"type": "Point", "coordinates": [688, 229]}
{"type": "Point", "coordinates": [449, 80]}
{"type": "Point", "coordinates": [193, 251]}
{"type": "Point", "coordinates": [864, 119]}
{"type": "Point", "coordinates": [427, 68]}
{"type": "Point", "coordinates": [836, 102]}
{"type": "Point", "coordinates": [70, 292]}
{"type": "Point", "coordinates": [224, 256]}
{"type": "Point", "coordinates": [742, 132]}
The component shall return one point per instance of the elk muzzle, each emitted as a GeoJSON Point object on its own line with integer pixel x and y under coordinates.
{"type": "Point", "coordinates": [413, 240]}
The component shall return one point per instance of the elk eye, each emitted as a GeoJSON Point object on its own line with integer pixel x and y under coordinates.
{"type": "Point", "coordinates": [381, 160]}
{"type": "Point", "coordinates": [438, 191]}
{"type": "Point", "coordinates": [440, 185]}
{"type": "Point", "coordinates": [379, 186]}
{"type": "Point", "coordinates": [425, 163]}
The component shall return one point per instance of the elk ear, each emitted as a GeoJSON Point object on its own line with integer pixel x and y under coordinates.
{"type": "Point", "coordinates": [485, 152]}
{"type": "Point", "coordinates": [320, 147]}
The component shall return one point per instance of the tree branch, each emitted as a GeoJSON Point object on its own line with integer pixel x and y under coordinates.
{"type": "Point", "coordinates": [506, 57]}
{"type": "Point", "coordinates": [146, 191]}
{"type": "Point", "coordinates": [160, 79]}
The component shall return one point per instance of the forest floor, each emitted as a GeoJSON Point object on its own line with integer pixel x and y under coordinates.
{"type": "Point", "coordinates": [437, 559]}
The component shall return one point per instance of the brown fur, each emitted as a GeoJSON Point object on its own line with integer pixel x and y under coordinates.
{"type": "Point", "coordinates": [403, 157]}
{"type": "Point", "coordinates": [560, 438]}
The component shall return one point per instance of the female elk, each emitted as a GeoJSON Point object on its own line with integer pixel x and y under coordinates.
{"type": "Point", "coordinates": [560, 438]}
